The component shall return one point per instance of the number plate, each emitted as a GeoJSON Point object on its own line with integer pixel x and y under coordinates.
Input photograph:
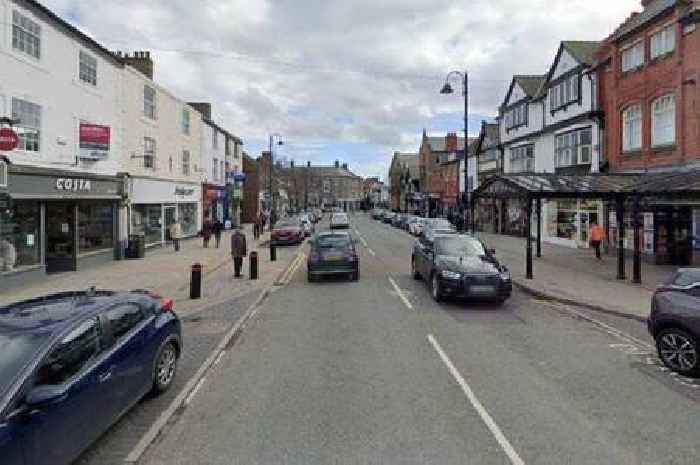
{"type": "Point", "coordinates": [482, 290]}
{"type": "Point", "coordinates": [333, 257]}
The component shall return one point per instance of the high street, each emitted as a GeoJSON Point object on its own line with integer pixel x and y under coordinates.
{"type": "Point", "coordinates": [377, 372]}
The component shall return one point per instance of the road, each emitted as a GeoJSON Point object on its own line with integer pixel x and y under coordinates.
{"type": "Point", "coordinates": [375, 372]}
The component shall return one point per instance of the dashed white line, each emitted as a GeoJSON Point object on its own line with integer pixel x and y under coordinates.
{"type": "Point", "coordinates": [371, 252]}
{"type": "Point", "coordinates": [478, 406]}
{"type": "Point", "coordinates": [195, 390]}
{"type": "Point", "coordinates": [400, 294]}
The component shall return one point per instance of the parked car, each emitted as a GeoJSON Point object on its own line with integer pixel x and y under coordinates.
{"type": "Point", "coordinates": [73, 363]}
{"type": "Point", "coordinates": [333, 253]}
{"type": "Point", "coordinates": [340, 221]}
{"type": "Point", "coordinates": [307, 225]}
{"type": "Point", "coordinates": [396, 220]}
{"type": "Point", "coordinates": [459, 266]}
{"type": "Point", "coordinates": [376, 214]}
{"type": "Point", "coordinates": [416, 227]}
{"type": "Point", "coordinates": [438, 226]}
{"type": "Point", "coordinates": [388, 217]}
{"type": "Point", "coordinates": [287, 232]}
{"type": "Point", "coordinates": [674, 321]}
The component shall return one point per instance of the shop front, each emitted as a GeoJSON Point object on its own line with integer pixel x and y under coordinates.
{"type": "Point", "coordinates": [568, 221]}
{"type": "Point", "coordinates": [156, 204]}
{"type": "Point", "coordinates": [54, 221]}
{"type": "Point", "coordinates": [214, 203]}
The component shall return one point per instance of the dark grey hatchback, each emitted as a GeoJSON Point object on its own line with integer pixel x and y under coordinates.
{"type": "Point", "coordinates": [333, 253]}
{"type": "Point", "coordinates": [674, 321]}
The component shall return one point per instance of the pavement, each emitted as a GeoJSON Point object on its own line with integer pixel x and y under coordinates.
{"type": "Point", "coordinates": [576, 276]}
{"type": "Point", "coordinates": [376, 372]}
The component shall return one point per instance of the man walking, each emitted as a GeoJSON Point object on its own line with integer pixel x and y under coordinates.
{"type": "Point", "coordinates": [238, 251]}
{"type": "Point", "coordinates": [175, 232]}
{"type": "Point", "coordinates": [206, 233]}
{"type": "Point", "coordinates": [597, 234]}
{"type": "Point", "coordinates": [218, 229]}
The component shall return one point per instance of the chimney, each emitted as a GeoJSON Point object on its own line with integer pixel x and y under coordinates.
{"type": "Point", "coordinates": [451, 142]}
{"type": "Point", "coordinates": [203, 107]}
{"type": "Point", "coordinates": [139, 60]}
{"type": "Point", "coordinates": [337, 164]}
{"type": "Point", "coordinates": [345, 166]}
{"type": "Point", "coordinates": [291, 163]}
{"type": "Point", "coordinates": [308, 164]}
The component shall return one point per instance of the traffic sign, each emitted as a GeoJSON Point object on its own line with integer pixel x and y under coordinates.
{"type": "Point", "coordinates": [8, 139]}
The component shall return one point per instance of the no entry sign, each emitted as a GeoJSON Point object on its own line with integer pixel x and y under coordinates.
{"type": "Point", "coordinates": [8, 139]}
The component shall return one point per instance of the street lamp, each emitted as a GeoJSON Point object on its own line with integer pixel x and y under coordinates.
{"type": "Point", "coordinates": [273, 212]}
{"type": "Point", "coordinates": [447, 89]}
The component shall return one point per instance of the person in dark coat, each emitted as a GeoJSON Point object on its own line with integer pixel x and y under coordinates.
{"type": "Point", "coordinates": [238, 251]}
{"type": "Point", "coordinates": [206, 233]}
{"type": "Point", "coordinates": [218, 229]}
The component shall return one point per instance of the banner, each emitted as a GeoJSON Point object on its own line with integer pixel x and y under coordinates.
{"type": "Point", "coordinates": [94, 141]}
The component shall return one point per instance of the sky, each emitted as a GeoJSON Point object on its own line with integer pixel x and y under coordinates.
{"type": "Point", "coordinates": [346, 80]}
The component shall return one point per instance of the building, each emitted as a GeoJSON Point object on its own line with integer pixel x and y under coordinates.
{"type": "Point", "coordinates": [489, 163]}
{"type": "Point", "coordinates": [372, 192]}
{"type": "Point", "coordinates": [63, 204]}
{"type": "Point", "coordinates": [251, 190]}
{"type": "Point", "coordinates": [649, 91]}
{"type": "Point", "coordinates": [162, 147]}
{"type": "Point", "coordinates": [439, 171]}
{"type": "Point", "coordinates": [404, 181]}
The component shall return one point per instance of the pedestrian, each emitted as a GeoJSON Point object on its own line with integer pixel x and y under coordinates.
{"type": "Point", "coordinates": [238, 251]}
{"type": "Point", "coordinates": [175, 233]}
{"type": "Point", "coordinates": [206, 233]}
{"type": "Point", "coordinates": [218, 229]}
{"type": "Point", "coordinates": [597, 234]}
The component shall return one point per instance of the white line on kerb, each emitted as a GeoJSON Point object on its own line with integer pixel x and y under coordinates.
{"type": "Point", "coordinates": [400, 293]}
{"type": "Point", "coordinates": [194, 391]}
{"type": "Point", "coordinates": [218, 359]}
{"type": "Point", "coordinates": [492, 426]}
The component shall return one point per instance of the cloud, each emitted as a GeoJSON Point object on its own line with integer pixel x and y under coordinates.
{"type": "Point", "coordinates": [353, 79]}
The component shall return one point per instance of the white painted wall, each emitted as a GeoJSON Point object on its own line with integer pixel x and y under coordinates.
{"type": "Point", "coordinates": [566, 63]}
{"type": "Point", "coordinates": [209, 153]}
{"type": "Point", "coordinates": [517, 94]}
{"type": "Point", "coordinates": [534, 123]}
{"type": "Point", "coordinates": [52, 81]}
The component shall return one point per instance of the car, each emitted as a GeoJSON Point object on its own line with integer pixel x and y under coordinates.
{"type": "Point", "coordinates": [307, 225]}
{"type": "Point", "coordinates": [340, 221]}
{"type": "Point", "coordinates": [72, 363]}
{"type": "Point", "coordinates": [416, 227]}
{"type": "Point", "coordinates": [287, 232]}
{"type": "Point", "coordinates": [396, 220]}
{"type": "Point", "coordinates": [376, 214]}
{"type": "Point", "coordinates": [333, 253]}
{"type": "Point", "coordinates": [674, 321]}
{"type": "Point", "coordinates": [405, 222]}
{"type": "Point", "coordinates": [459, 266]}
{"type": "Point", "coordinates": [388, 217]}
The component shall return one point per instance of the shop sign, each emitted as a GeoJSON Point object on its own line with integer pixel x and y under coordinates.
{"type": "Point", "coordinates": [8, 139]}
{"type": "Point", "coordinates": [94, 141]}
{"type": "Point", "coordinates": [184, 191]}
{"type": "Point", "coordinates": [235, 176]}
{"type": "Point", "coordinates": [74, 185]}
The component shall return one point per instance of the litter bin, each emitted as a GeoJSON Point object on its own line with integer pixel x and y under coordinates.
{"type": "Point", "coordinates": [137, 246]}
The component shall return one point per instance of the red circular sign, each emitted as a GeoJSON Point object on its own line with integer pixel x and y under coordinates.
{"type": "Point", "coordinates": [8, 139]}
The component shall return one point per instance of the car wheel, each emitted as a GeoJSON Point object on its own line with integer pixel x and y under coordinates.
{"type": "Point", "coordinates": [678, 350]}
{"type": "Point", "coordinates": [414, 271]}
{"type": "Point", "coordinates": [165, 368]}
{"type": "Point", "coordinates": [435, 290]}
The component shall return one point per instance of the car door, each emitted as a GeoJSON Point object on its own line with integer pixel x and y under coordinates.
{"type": "Point", "coordinates": [61, 430]}
{"type": "Point", "coordinates": [13, 434]}
{"type": "Point", "coordinates": [130, 356]}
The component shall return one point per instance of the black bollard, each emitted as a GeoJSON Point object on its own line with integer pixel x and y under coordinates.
{"type": "Point", "coordinates": [253, 265]}
{"type": "Point", "coordinates": [196, 281]}
{"type": "Point", "coordinates": [273, 253]}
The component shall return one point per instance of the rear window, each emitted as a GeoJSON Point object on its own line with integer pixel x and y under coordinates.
{"type": "Point", "coordinates": [687, 277]}
{"type": "Point", "coordinates": [340, 217]}
{"type": "Point", "coordinates": [287, 224]}
{"type": "Point", "coordinates": [333, 241]}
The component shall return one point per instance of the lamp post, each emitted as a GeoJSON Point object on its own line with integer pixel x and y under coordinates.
{"type": "Point", "coordinates": [447, 89]}
{"type": "Point", "coordinates": [273, 212]}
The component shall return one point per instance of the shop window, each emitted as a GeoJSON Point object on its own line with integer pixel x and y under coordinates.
{"type": "Point", "coordinates": [663, 122]}
{"type": "Point", "coordinates": [147, 220]}
{"type": "Point", "coordinates": [95, 226]}
{"type": "Point", "coordinates": [26, 35]}
{"type": "Point", "coordinates": [19, 236]}
{"type": "Point", "coordinates": [187, 214]}
{"type": "Point", "coordinates": [29, 127]}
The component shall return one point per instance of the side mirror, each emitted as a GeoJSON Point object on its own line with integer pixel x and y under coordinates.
{"type": "Point", "coordinates": [45, 395]}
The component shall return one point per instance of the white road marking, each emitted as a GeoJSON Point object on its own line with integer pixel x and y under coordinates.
{"type": "Point", "coordinates": [218, 359]}
{"type": "Point", "coordinates": [371, 252]}
{"type": "Point", "coordinates": [400, 293]}
{"type": "Point", "coordinates": [480, 409]}
{"type": "Point", "coordinates": [195, 390]}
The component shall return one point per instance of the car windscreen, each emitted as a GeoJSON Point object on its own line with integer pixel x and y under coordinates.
{"type": "Point", "coordinates": [17, 348]}
{"type": "Point", "coordinates": [441, 224]}
{"type": "Point", "coordinates": [333, 241]}
{"type": "Point", "coordinates": [458, 246]}
{"type": "Point", "coordinates": [287, 224]}
{"type": "Point", "coordinates": [687, 277]}
{"type": "Point", "coordinates": [340, 218]}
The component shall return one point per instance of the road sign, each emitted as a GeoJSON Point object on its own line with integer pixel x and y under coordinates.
{"type": "Point", "coordinates": [8, 139]}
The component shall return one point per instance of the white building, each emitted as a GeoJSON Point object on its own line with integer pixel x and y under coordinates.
{"type": "Point", "coordinates": [62, 89]}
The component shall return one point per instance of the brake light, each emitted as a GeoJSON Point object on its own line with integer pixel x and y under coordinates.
{"type": "Point", "coordinates": [166, 305]}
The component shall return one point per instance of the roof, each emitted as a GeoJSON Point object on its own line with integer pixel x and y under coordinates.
{"type": "Point", "coordinates": [654, 9]}
{"type": "Point", "coordinates": [329, 171]}
{"type": "Point", "coordinates": [492, 133]}
{"type": "Point", "coordinates": [582, 51]}
{"type": "Point", "coordinates": [530, 84]}
{"type": "Point", "coordinates": [220, 129]}
{"type": "Point", "coordinates": [407, 160]}
{"type": "Point", "coordinates": [438, 144]}
{"type": "Point", "coordinates": [598, 185]}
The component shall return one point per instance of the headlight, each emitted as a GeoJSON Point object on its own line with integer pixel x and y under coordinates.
{"type": "Point", "coordinates": [450, 274]}
{"type": "Point", "coordinates": [505, 275]}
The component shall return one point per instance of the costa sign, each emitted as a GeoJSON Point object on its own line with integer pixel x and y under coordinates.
{"type": "Point", "coordinates": [8, 139]}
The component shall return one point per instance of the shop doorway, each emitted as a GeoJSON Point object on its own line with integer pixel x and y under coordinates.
{"type": "Point", "coordinates": [169, 216]}
{"type": "Point", "coordinates": [60, 237]}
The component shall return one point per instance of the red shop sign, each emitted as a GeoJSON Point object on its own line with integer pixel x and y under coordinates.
{"type": "Point", "coordinates": [8, 139]}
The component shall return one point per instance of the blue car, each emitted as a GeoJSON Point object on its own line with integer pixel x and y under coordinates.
{"type": "Point", "coordinates": [72, 363]}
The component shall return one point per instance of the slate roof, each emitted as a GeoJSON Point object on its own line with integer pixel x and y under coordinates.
{"type": "Point", "coordinates": [330, 171]}
{"type": "Point", "coordinates": [581, 50]}
{"type": "Point", "coordinates": [492, 134]}
{"type": "Point", "coordinates": [651, 12]}
{"type": "Point", "coordinates": [530, 84]}
{"type": "Point", "coordinates": [438, 144]}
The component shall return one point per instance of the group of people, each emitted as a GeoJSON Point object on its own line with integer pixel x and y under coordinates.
{"type": "Point", "coordinates": [212, 228]}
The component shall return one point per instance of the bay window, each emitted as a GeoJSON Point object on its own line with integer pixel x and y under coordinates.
{"type": "Point", "coordinates": [573, 147]}
{"type": "Point", "coordinates": [632, 128]}
{"type": "Point", "coordinates": [663, 120]}
{"type": "Point", "coordinates": [522, 159]}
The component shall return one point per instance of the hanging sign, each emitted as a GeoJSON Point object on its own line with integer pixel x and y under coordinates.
{"type": "Point", "coordinates": [94, 141]}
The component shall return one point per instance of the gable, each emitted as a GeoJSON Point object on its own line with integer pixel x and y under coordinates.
{"type": "Point", "coordinates": [516, 94]}
{"type": "Point", "coordinates": [564, 64]}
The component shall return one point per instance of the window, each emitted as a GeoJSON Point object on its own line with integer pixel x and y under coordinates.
{"type": "Point", "coordinates": [170, 163]}
{"type": "Point", "coordinates": [227, 146]}
{"type": "Point", "coordinates": [29, 126]}
{"type": "Point", "coordinates": [215, 169]}
{"type": "Point", "coordinates": [663, 41]}
{"type": "Point", "coordinates": [663, 121]}
{"type": "Point", "coordinates": [72, 355]}
{"type": "Point", "coordinates": [186, 122]}
{"type": "Point", "coordinates": [516, 117]}
{"type": "Point", "coordinates": [573, 148]}
{"type": "Point", "coordinates": [632, 128]}
{"type": "Point", "coordinates": [564, 92]}
{"type": "Point", "coordinates": [26, 35]}
{"type": "Point", "coordinates": [88, 68]}
{"type": "Point", "coordinates": [20, 241]}
{"type": "Point", "coordinates": [149, 153]}
{"type": "Point", "coordinates": [633, 57]}
{"type": "Point", "coordinates": [95, 226]}
{"type": "Point", "coordinates": [149, 102]}
{"type": "Point", "coordinates": [222, 171]}
{"type": "Point", "coordinates": [214, 139]}
{"type": "Point", "coordinates": [186, 162]}
{"type": "Point", "coordinates": [522, 159]}
{"type": "Point", "coordinates": [124, 318]}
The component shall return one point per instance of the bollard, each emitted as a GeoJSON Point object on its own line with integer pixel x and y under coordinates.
{"type": "Point", "coordinates": [196, 281]}
{"type": "Point", "coordinates": [273, 253]}
{"type": "Point", "coordinates": [253, 265]}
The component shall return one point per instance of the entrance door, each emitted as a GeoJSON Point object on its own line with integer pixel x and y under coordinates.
{"type": "Point", "coordinates": [60, 237]}
{"type": "Point", "coordinates": [169, 216]}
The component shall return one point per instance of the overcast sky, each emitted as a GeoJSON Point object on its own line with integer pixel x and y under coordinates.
{"type": "Point", "coordinates": [351, 80]}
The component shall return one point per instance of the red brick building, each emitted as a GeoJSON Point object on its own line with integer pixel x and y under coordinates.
{"type": "Point", "coordinates": [439, 170]}
{"type": "Point", "coordinates": [251, 190]}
